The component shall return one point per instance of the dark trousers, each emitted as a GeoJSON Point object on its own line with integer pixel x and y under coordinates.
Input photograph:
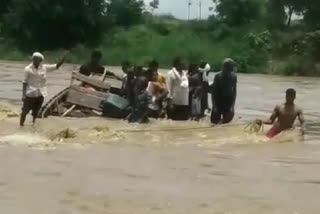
{"type": "Point", "coordinates": [179, 113]}
{"type": "Point", "coordinates": [223, 110]}
{"type": "Point", "coordinates": [32, 103]}
{"type": "Point", "coordinates": [204, 97]}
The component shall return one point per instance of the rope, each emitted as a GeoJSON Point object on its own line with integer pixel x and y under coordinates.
{"type": "Point", "coordinates": [254, 127]}
{"type": "Point", "coordinates": [178, 129]}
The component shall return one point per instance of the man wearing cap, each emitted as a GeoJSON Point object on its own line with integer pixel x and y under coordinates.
{"type": "Point", "coordinates": [224, 94]}
{"type": "Point", "coordinates": [34, 85]}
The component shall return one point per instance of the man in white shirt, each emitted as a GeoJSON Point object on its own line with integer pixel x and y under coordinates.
{"type": "Point", "coordinates": [34, 85]}
{"type": "Point", "coordinates": [178, 88]}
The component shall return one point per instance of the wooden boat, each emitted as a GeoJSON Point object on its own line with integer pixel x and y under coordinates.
{"type": "Point", "coordinates": [87, 94]}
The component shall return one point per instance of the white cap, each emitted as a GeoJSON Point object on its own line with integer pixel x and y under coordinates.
{"type": "Point", "coordinates": [37, 54]}
{"type": "Point", "coordinates": [205, 69]}
{"type": "Point", "coordinates": [228, 60]}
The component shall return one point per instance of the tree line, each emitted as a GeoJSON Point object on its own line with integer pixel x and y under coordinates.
{"type": "Point", "coordinates": [253, 32]}
{"type": "Point", "coordinates": [62, 24]}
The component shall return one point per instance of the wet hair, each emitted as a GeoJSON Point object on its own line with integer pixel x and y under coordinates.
{"type": "Point", "coordinates": [291, 91]}
{"type": "Point", "coordinates": [177, 61]}
{"type": "Point", "coordinates": [153, 64]}
{"type": "Point", "coordinates": [96, 54]}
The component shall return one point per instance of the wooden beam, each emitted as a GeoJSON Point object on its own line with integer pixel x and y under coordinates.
{"type": "Point", "coordinates": [90, 81]}
{"type": "Point", "coordinates": [68, 111]}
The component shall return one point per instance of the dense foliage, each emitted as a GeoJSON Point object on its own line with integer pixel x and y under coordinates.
{"type": "Point", "coordinates": [265, 36]}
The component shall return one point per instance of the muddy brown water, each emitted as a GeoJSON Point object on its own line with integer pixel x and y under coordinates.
{"type": "Point", "coordinates": [164, 167]}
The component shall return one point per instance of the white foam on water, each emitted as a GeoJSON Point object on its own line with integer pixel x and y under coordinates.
{"type": "Point", "coordinates": [24, 139]}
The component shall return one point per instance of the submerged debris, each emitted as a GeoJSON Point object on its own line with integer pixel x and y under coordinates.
{"type": "Point", "coordinates": [7, 112]}
{"type": "Point", "coordinates": [64, 134]}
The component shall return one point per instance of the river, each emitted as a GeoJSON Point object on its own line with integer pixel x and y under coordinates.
{"type": "Point", "coordinates": [164, 167]}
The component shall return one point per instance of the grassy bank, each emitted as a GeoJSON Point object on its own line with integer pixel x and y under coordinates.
{"type": "Point", "coordinates": [255, 49]}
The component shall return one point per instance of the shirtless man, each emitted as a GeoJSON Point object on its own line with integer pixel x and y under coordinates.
{"type": "Point", "coordinates": [285, 115]}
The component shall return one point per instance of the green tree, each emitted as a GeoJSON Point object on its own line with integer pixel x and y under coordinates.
{"type": "Point", "coordinates": [125, 12]}
{"type": "Point", "coordinates": [60, 24]}
{"type": "Point", "coordinates": [4, 5]}
{"type": "Point", "coordinates": [235, 12]}
{"type": "Point", "coordinates": [282, 11]}
{"type": "Point", "coordinates": [312, 14]}
{"type": "Point", "coordinates": [154, 4]}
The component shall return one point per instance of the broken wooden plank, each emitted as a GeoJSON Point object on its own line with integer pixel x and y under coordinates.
{"type": "Point", "coordinates": [90, 81]}
{"type": "Point", "coordinates": [69, 111]}
{"type": "Point", "coordinates": [82, 97]}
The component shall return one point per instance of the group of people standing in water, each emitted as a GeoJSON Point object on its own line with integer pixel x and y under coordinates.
{"type": "Point", "coordinates": [185, 92]}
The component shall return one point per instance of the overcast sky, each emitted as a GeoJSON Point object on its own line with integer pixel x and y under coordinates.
{"type": "Point", "coordinates": [179, 8]}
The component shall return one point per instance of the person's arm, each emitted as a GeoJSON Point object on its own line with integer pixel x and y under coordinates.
{"type": "Point", "coordinates": [83, 70]}
{"type": "Point", "coordinates": [302, 121]}
{"type": "Point", "coordinates": [25, 84]}
{"type": "Point", "coordinates": [169, 85]}
{"type": "Point", "coordinates": [234, 92]}
{"type": "Point", "coordinates": [273, 117]}
{"type": "Point", "coordinates": [163, 91]}
{"type": "Point", "coordinates": [61, 62]}
{"type": "Point", "coordinates": [54, 67]}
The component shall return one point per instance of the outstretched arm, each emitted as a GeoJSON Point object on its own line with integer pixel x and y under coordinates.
{"type": "Point", "coordinates": [54, 67]}
{"type": "Point", "coordinates": [60, 62]}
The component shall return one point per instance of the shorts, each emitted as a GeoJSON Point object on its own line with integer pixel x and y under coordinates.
{"type": "Point", "coordinates": [34, 104]}
{"type": "Point", "coordinates": [273, 132]}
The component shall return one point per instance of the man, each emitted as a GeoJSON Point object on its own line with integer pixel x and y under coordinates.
{"type": "Point", "coordinates": [284, 115]}
{"type": "Point", "coordinates": [34, 85]}
{"type": "Point", "coordinates": [204, 69]}
{"type": "Point", "coordinates": [178, 87]}
{"type": "Point", "coordinates": [224, 94]}
{"type": "Point", "coordinates": [140, 111]}
{"type": "Point", "coordinates": [196, 90]}
{"type": "Point", "coordinates": [94, 66]}
{"type": "Point", "coordinates": [158, 93]}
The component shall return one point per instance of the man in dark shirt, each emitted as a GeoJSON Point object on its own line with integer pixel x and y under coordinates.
{"type": "Point", "coordinates": [94, 66]}
{"type": "Point", "coordinates": [224, 94]}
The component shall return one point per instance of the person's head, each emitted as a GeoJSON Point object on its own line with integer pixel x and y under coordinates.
{"type": "Point", "coordinates": [193, 68]}
{"type": "Point", "coordinates": [228, 65]}
{"type": "Point", "coordinates": [125, 66]}
{"type": "Point", "coordinates": [154, 76]}
{"type": "Point", "coordinates": [290, 96]}
{"type": "Point", "coordinates": [37, 58]}
{"type": "Point", "coordinates": [178, 64]}
{"type": "Point", "coordinates": [154, 65]}
{"type": "Point", "coordinates": [142, 83]}
{"type": "Point", "coordinates": [96, 57]}
{"type": "Point", "coordinates": [138, 70]}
